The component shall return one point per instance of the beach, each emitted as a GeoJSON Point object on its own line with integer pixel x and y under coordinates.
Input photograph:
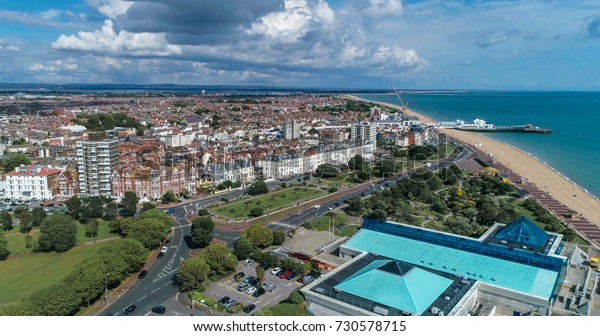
{"type": "Point", "coordinates": [527, 166]}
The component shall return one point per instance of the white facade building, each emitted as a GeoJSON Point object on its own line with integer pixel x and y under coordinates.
{"type": "Point", "coordinates": [291, 130]}
{"type": "Point", "coordinates": [32, 182]}
{"type": "Point", "coordinates": [364, 133]}
{"type": "Point", "coordinates": [96, 160]}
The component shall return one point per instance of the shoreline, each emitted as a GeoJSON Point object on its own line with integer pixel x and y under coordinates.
{"type": "Point", "coordinates": [538, 172]}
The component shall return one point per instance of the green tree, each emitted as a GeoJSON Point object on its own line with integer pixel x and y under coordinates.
{"type": "Point", "coordinates": [325, 171]}
{"type": "Point", "coordinates": [91, 228]}
{"type": "Point", "coordinates": [25, 222]}
{"type": "Point", "coordinates": [7, 222]}
{"type": "Point", "coordinates": [91, 208]}
{"type": "Point", "coordinates": [129, 251]}
{"type": "Point", "coordinates": [37, 216]}
{"type": "Point", "coordinates": [387, 168]}
{"type": "Point", "coordinates": [260, 236]}
{"type": "Point", "coordinates": [358, 163]}
{"type": "Point", "coordinates": [28, 241]}
{"type": "Point", "coordinates": [355, 207]}
{"type": "Point", "coordinates": [278, 237]}
{"type": "Point", "coordinates": [192, 273]}
{"type": "Point", "coordinates": [487, 211]}
{"type": "Point", "coordinates": [203, 212]}
{"type": "Point", "coordinates": [260, 273]}
{"type": "Point", "coordinates": [74, 206]}
{"type": "Point", "coordinates": [110, 212]}
{"type": "Point", "coordinates": [14, 161]}
{"type": "Point", "coordinates": [219, 258]}
{"type": "Point", "coordinates": [4, 251]}
{"type": "Point", "coordinates": [243, 248]}
{"type": "Point", "coordinates": [256, 212]}
{"type": "Point", "coordinates": [56, 300]}
{"type": "Point", "coordinates": [148, 206]}
{"type": "Point", "coordinates": [87, 280]}
{"type": "Point", "coordinates": [148, 231]}
{"type": "Point", "coordinates": [129, 202]}
{"type": "Point", "coordinates": [159, 215]}
{"type": "Point", "coordinates": [202, 231]}
{"type": "Point", "coordinates": [258, 188]}
{"type": "Point", "coordinates": [20, 209]}
{"type": "Point", "coordinates": [58, 233]}
{"type": "Point", "coordinates": [378, 215]}
{"type": "Point", "coordinates": [460, 226]}
{"type": "Point", "coordinates": [169, 197]}
{"type": "Point", "coordinates": [296, 297]}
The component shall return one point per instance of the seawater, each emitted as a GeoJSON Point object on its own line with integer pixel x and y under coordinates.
{"type": "Point", "coordinates": [573, 148]}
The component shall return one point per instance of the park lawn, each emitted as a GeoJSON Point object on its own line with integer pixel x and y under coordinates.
{"type": "Point", "coordinates": [322, 223]}
{"type": "Point", "coordinates": [348, 230]}
{"type": "Point", "coordinates": [288, 309]}
{"type": "Point", "coordinates": [16, 243]}
{"type": "Point", "coordinates": [23, 275]}
{"type": "Point", "coordinates": [340, 180]}
{"type": "Point", "coordinates": [103, 232]}
{"type": "Point", "coordinates": [445, 149]}
{"type": "Point", "coordinates": [272, 201]}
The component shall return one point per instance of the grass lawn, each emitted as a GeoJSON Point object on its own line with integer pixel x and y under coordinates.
{"type": "Point", "coordinates": [269, 202]}
{"type": "Point", "coordinates": [288, 309]}
{"type": "Point", "coordinates": [348, 230]}
{"type": "Point", "coordinates": [445, 150]}
{"type": "Point", "coordinates": [103, 232]}
{"type": "Point", "coordinates": [16, 243]}
{"type": "Point", "coordinates": [21, 276]}
{"type": "Point", "coordinates": [322, 223]}
{"type": "Point", "coordinates": [340, 180]}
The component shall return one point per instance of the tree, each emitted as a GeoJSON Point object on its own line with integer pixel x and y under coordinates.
{"type": "Point", "coordinates": [169, 197]}
{"type": "Point", "coordinates": [28, 241]}
{"type": "Point", "coordinates": [14, 161]}
{"type": "Point", "coordinates": [91, 228]}
{"type": "Point", "coordinates": [487, 211]}
{"type": "Point", "coordinates": [243, 248]}
{"type": "Point", "coordinates": [25, 222]}
{"type": "Point", "coordinates": [387, 168]}
{"type": "Point", "coordinates": [37, 216]}
{"type": "Point", "coordinates": [325, 171]}
{"type": "Point", "coordinates": [129, 251]}
{"type": "Point", "coordinates": [56, 300]}
{"type": "Point", "coordinates": [296, 297]}
{"type": "Point", "coordinates": [20, 209]}
{"type": "Point", "coordinates": [258, 188]}
{"type": "Point", "coordinates": [93, 208]}
{"type": "Point", "coordinates": [256, 212]}
{"type": "Point", "coordinates": [202, 231]}
{"type": "Point", "coordinates": [278, 237]}
{"type": "Point", "coordinates": [203, 212]}
{"type": "Point", "coordinates": [192, 273]}
{"type": "Point", "coordinates": [460, 225]}
{"type": "Point", "coordinates": [129, 203]}
{"type": "Point", "coordinates": [110, 212]}
{"type": "Point", "coordinates": [58, 233]}
{"type": "Point", "coordinates": [87, 280]}
{"type": "Point", "coordinates": [260, 273]}
{"type": "Point", "coordinates": [378, 215]}
{"type": "Point", "coordinates": [4, 251]}
{"type": "Point", "coordinates": [357, 163]}
{"type": "Point", "coordinates": [6, 218]}
{"type": "Point", "coordinates": [159, 215]}
{"type": "Point", "coordinates": [74, 206]}
{"type": "Point", "coordinates": [260, 236]}
{"type": "Point", "coordinates": [148, 206]}
{"type": "Point", "coordinates": [219, 258]}
{"type": "Point", "coordinates": [355, 207]}
{"type": "Point", "coordinates": [149, 232]}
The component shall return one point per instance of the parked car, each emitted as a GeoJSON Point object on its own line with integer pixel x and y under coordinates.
{"type": "Point", "coordinates": [290, 276]}
{"type": "Point", "coordinates": [164, 249]}
{"type": "Point", "coordinates": [264, 266]}
{"type": "Point", "coordinates": [129, 309]}
{"type": "Point", "coordinates": [243, 286]}
{"type": "Point", "coordinates": [167, 242]}
{"type": "Point", "coordinates": [275, 270]}
{"type": "Point", "coordinates": [284, 274]}
{"type": "Point", "coordinates": [251, 290]}
{"type": "Point", "coordinates": [249, 262]}
{"type": "Point", "coordinates": [159, 310]}
{"type": "Point", "coordinates": [259, 292]}
{"type": "Point", "coordinates": [229, 303]}
{"type": "Point", "coordinates": [160, 255]}
{"type": "Point", "coordinates": [249, 308]}
{"type": "Point", "coordinates": [249, 278]}
{"type": "Point", "coordinates": [142, 274]}
{"type": "Point", "coordinates": [169, 211]}
{"type": "Point", "coordinates": [238, 276]}
{"type": "Point", "coordinates": [224, 299]}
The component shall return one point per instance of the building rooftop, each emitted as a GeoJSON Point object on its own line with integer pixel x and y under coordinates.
{"type": "Point", "coordinates": [523, 231]}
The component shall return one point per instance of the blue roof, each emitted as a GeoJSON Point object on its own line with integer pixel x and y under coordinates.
{"type": "Point", "coordinates": [383, 281]}
{"type": "Point", "coordinates": [523, 231]}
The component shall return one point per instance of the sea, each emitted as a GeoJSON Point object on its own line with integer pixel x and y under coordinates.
{"type": "Point", "coordinates": [573, 148]}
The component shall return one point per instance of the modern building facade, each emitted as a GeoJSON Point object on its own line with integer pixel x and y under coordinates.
{"type": "Point", "coordinates": [291, 130]}
{"type": "Point", "coordinates": [96, 160]}
{"type": "Point", "coordinates": [364, 133]}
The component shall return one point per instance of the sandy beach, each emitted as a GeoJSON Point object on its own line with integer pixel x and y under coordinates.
{"type": "Point", "coordinates": [538, 173]}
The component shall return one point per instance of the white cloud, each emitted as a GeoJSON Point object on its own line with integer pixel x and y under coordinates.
{"type": "Point", "coordinates": [124, 43]}
{"type": "Point", "coordinates": [110, 8]}
{"type": "Point", "coordinates": [385, 7]}
{"type": "Point", "coordinates": [8, 46]}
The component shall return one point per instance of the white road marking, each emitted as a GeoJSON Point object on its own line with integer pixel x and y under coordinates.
{"type": "Point", "coordinates": [141, 298]}
{"type": "Point", "coordinates": [154, 291]}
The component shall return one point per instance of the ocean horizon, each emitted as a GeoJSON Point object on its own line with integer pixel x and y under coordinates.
{"type": "Point", "coordinates": [574, 117]}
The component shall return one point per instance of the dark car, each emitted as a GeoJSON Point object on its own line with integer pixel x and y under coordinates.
{"type": "Point", "coordinates": [239, 275]}
{"type": "Point", "coordinates": [142, 274]}
{"type": "Point", "coordinates": [290, 276]}
{"type": "Point", "coordinates": [224, 299]}
{"type": "Point", "coordinates": [160, 255]}
{"type": "Point", "coordinates": [259, 292]}
{"type": "Point", "coordinates": [159, 310]}
{"type": "Point", "coordinates": [129, 309]}
{"type": "Point", "coordinates": [167, 242]}
{"type": "Point", "coordinates": [249, 308]}
{"type": "Point", "coordinates": [264, 266]}
{"type": "Point", "coordinates": [169, 211]}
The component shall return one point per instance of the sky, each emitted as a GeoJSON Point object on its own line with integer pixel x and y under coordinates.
{"type": "Point", "coordinates": [411, 44]}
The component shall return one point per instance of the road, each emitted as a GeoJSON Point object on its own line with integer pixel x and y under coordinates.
{"type": "Point", "coordinates": [158, 287]}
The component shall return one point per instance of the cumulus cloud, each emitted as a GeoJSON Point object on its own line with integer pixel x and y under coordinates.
{"type": "Point", "coordinates": [108, 40]}
{"type": "Point", "coordinates": [54, 66]}
{"type": "Point", "coordinates": [8, 46]}
{"type": "Point", "coordinates": [110, 8]}
{"type": "Point", "coordinates": [385, 7]}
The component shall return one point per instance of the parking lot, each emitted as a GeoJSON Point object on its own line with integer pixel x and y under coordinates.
{"type": "Point", "coordinates": [228, 287]}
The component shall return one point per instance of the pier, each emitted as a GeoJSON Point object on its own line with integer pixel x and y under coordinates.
{"type": "Point", "coordinates": [479, 125]}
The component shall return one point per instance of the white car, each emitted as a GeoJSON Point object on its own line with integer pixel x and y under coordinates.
{"type": "Point", "coordinates": [251, 290]}
{"type": "Point", "coordinates": [275, 270]}
{"type": "Point", "coordinates": [164, 249]}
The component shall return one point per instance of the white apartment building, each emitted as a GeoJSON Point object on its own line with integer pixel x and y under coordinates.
{"type": "Point", "coordinates": [96, 160]}
{"type": "Point", "coordinates": [232, 171]}
{"type": "Point", "coordinates": [364, 133]}
{"type": "Point", "coordinates": [32, 182]}
{"type": "Point", "coordinates": [291, 130]}
{"type": "Point", "coordinates": [284, 165]}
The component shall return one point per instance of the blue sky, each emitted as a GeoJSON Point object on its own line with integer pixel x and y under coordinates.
{"type": "Point", "coordinates": [413, 44]}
